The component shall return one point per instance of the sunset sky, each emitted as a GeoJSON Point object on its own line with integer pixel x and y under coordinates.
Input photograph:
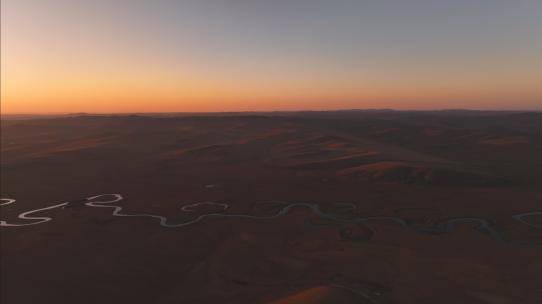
{"type": "Point", "coordinates": [239, 55]}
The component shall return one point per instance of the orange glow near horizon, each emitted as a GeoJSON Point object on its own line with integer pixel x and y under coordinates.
{"type": "Point", "coordinates": [109, 93]}
{"type": "Point", "coordinates": [140, 101]}
{"type": "Point", "coordinates": [64, 87]}
{"type": "Point", "coordinates": [31, 84]}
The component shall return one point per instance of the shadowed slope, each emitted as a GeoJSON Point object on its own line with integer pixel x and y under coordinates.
{"type": "Point", "coordinates": [321, 295]}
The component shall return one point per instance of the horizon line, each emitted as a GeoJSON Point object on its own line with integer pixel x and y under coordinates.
{"type": "Point", "coordinates": [272, 111]}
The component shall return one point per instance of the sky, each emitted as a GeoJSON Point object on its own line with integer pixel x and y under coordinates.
{"type": "Point", "coordinates": [104, 56]}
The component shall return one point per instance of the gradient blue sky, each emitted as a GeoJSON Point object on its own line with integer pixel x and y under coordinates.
{"type": "Point", "coordinates": [166, 55]}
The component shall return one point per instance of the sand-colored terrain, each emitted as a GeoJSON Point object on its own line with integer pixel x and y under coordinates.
{"type": "Point", "coordinates": [362, 170]}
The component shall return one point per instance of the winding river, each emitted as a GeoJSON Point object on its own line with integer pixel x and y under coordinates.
{"type": "Point", "coordinates": [29, 218]}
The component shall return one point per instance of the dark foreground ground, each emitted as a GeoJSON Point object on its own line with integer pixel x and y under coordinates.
{"type": "Point", "coordinates": [424, 167]}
